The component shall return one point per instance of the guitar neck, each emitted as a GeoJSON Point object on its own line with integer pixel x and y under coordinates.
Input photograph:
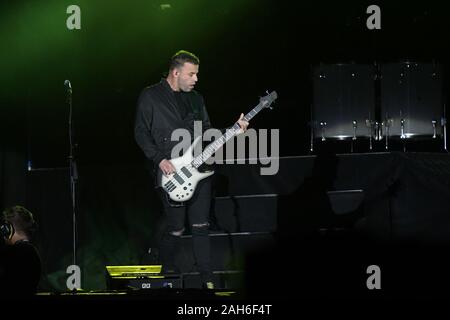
{"type": "Point", "coordinates": [229, 133]}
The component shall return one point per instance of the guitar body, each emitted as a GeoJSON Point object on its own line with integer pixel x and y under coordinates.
{"type": "Point", "coordinates": [180, 186]}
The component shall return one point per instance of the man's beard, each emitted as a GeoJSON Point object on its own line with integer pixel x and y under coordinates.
{"type": "Point", "coordinates": [186, 88]}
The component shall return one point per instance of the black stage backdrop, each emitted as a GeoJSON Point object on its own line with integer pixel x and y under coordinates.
{"type": "Point", "coordinates": [245, 48]}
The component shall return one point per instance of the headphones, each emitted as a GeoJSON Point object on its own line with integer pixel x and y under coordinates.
{"type": "Point", "coordinates": [6, 230]}
{"type": "Point", "coordinates": [26, 222]}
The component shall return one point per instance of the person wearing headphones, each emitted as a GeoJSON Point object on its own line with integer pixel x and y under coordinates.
{"type": "Point", "coordinates": [20, 263]}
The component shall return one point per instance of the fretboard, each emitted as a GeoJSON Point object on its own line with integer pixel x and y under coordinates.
{"type": "Point", "coordinates": [229, 133]}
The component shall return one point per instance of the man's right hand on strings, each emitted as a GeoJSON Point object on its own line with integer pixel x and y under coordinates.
{"type": "Point", "coordinates": [166, 167]}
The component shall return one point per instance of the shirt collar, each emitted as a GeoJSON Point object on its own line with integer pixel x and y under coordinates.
{"type": "Point", "coordinates": [166, 85]}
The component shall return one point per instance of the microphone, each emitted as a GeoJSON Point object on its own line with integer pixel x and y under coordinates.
{"type": "Point", "coordinates": [68, 86]}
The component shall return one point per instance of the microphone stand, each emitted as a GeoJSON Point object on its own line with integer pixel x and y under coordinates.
{"type": "Point", "coordinates": [73, 174]}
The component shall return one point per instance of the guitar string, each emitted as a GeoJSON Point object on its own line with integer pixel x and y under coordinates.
{"type": "Point", "coordinates": [193, 163]}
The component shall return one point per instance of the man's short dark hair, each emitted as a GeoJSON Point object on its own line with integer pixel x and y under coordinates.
{"type": "Point", "coordinates": [181, 57]}
{"type": "Point", "coordinates": [21, 218]}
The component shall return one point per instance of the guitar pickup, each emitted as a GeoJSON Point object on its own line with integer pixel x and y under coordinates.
{"type": "Point", "coordinates": [178, 178]}
{"type": "Point", "coordinates": [186, 172]}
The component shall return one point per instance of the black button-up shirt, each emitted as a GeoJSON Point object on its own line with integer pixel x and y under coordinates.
{"type": "Point", "coordinates": [159, 112]}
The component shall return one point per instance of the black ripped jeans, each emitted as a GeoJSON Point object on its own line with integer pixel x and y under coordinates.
{"type": "Point", "coordinates": [197, 210]}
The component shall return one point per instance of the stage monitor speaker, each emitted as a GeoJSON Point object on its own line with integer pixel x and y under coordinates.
{"type": "Point", "coordinates": [140, 277]}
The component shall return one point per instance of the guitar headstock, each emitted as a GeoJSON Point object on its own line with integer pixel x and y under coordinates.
{"type": "Point", "coordinates": [268, 99]}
